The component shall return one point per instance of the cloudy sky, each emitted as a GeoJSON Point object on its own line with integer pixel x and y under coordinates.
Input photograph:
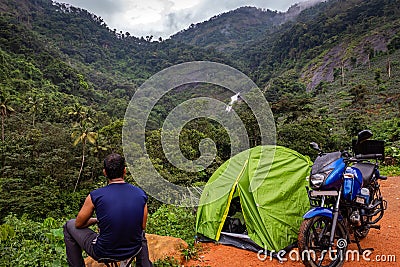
{"type": "Point", "coordinates": [166, 17]}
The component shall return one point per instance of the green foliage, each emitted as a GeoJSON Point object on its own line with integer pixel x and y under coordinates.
{"type": "Point", "coordinates": [167, 262]}
{"type": "Point", "coordinates": [388, 130]}
{"type": "Point", "coordinates": [173, 221]}
{"type": "Point", "coordinates": [178, 222]}
{"type": "Point", "coordinates": [355, 123]}
{"type": "Point", "coordinates": [394, 43]}
{"type": "Point", "coordinates": [28, 243]}
{"type": "Point", "coordinates": [285, 85]}
{"type": "Point", "coordinates": [391, 171]}
{"type": "Point", "coordinates": [359, 93]}
{"type": "Point", "coordinates": [190, 253]}
{"type": "Point", "coordinates": [394, 153]}
{"type": "Point", "coordinates": [299, 135]}
{"type": "Point", "coordinates": [189, 140]}
{"type": "Point", "coordinates": [232, 29]}
{"type": "Point", "coordinates": [49, 201]}
{"type": "Point", "coordinates": [6, 232]}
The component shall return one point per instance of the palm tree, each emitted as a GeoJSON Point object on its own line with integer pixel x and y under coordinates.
{"type": "Point", "coordinates": [78, 113]}
{"type": "Point", "coordinates": [82, 131]}
{"type": "Point", "coordinates": [35, 103]}
{"type": "Point", "coordinates": [5, 109]}
{"type": "Point", "coordinates": [83, 135]}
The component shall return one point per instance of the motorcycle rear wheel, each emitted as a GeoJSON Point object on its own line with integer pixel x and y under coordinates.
{"type": "Point", "coordinates": [313, 241]}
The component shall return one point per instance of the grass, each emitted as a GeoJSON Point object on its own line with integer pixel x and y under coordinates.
{"type": "Point", "coordinates": [390, 171]}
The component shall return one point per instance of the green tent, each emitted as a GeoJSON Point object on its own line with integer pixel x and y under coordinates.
{"type": "Point", "coordinates": [270, 183]}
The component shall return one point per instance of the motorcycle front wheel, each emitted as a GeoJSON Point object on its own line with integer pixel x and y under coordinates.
{"type": "Point", "coordinates": [314, 245]}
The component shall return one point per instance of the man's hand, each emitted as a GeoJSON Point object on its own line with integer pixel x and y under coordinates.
{"type": "Point", "coordinates": [84, 218]}
{"type": "Point", "coordinates": [91, 221]}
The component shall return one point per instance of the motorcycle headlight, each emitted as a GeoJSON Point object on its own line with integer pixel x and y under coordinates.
{"type": "Point", "coordinates": [316, 180]}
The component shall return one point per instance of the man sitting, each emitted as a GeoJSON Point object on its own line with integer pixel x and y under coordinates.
{"type": "Point", "coordinates": [121, 211]}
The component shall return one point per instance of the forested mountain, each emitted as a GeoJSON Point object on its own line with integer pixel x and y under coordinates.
{"type": "Point", "coordinates": [82, 38]}
{"type": "Point", "coordinates": [231, 30]}
{"type": "Point", "coordinates": [313, 41]}
{"type": "Point", "coordinates": [326, 36]}
{"type": "Point", "coordinates": [66, 79]}
{"type": "Point", "coordinates": [238, 28]}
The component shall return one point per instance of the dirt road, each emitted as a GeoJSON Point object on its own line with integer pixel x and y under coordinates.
{"type": "Point", "coordinates": [386, 242]}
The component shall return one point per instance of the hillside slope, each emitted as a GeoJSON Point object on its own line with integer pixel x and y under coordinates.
{"type": "Point", "coordinates": [364, 27]}
{"type": "Point", "coordinates": [108, 58]}
{"type": "Point", "coordinates": [237, 28]}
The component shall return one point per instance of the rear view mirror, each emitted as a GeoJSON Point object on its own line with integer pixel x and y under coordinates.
{"type": "Point", "coordinates": [363, 136]}
{"type": "Point", "coordinates": [315, 146]}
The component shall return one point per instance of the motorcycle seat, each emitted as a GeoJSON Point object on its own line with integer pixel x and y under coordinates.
{"type": "Point", "coordinates": [367, 170]}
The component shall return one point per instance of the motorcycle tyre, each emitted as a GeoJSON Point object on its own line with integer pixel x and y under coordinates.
{"type": "Point", "coordinates": [302, 240]}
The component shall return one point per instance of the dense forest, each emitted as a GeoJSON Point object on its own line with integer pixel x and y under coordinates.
{"type": "Point", "coordinates": [66, 79]}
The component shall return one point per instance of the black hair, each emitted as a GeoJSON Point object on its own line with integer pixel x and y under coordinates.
{"type": "Point", "coordinates": [114, 165]}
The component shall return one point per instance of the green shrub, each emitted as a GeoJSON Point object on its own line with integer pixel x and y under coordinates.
{"type": "Point", "coordinates": [24, 242]}
{"type": "Point", "coordinates": [167, 262]}
{"type": "Point", "coordinates": [390, 171]}
{"type": "Point", "coordinates": [173, 221]}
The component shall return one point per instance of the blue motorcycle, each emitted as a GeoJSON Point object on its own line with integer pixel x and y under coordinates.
{"type": "Point", "coordinates": [345, 199]}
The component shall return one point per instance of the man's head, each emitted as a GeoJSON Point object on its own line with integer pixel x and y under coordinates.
{"type": "Point", "coordinates": [114, 166]}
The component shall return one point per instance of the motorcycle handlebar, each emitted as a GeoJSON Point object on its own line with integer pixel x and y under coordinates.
{"type": "Point", "coordinates": [347, 157]}
{"type": "Point", "coordinates": [369, 156]}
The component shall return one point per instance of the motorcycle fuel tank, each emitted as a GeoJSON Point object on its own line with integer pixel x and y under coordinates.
{"type": "Point", "coordinates": [352, 183]}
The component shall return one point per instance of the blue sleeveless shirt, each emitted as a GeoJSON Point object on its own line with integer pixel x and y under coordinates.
{"type": "Point", "coordinates": [119, 209]}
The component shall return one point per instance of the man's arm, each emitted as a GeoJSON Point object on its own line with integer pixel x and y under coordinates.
{"type": "Point", "coordinates": [144, 217]}
{"type": "Point", "coordinates": [84, 218]}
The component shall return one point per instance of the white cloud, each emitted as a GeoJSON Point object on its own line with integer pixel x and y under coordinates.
{"type": "Point", "coordinates": [166, 17]}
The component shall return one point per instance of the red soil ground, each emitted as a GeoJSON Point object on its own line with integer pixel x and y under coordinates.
{"type": "Point", "coordinates": [385, 242]}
